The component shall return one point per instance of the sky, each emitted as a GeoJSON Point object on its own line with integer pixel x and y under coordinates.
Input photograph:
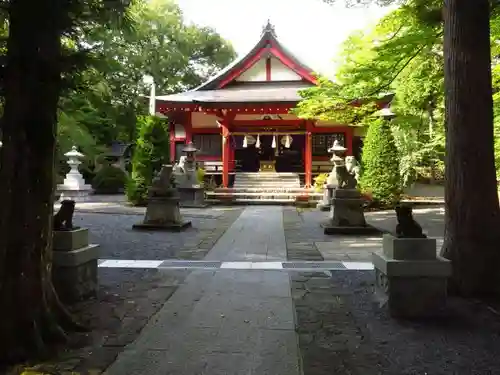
{"type": "Point", "coordinates": [311, 29]}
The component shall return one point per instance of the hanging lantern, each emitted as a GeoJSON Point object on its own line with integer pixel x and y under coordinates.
{"type": "Point", "coordinates": [288, 141]}
{"type": "Point", "coordinates": [257, 144]}
{"type": "Point", "coordinates": [274, 142]}
{"type": "Point", "coordinates": [245, 142]}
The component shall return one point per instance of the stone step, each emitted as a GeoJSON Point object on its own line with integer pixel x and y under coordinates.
{"type": "Point", "coordinates": [265, 174]}
{"type": "Point", "coordinates": [266, 182]}
{"type": "Point", "coordinates": [253, 189]}
{"type": "Point", "coordinates": [253, 201]}
{"type": "Point", "coordinates": [261, 194]}
{"type": "Point", "coordinates": [267, 186]}
{"type": "Point", "coordinates": [266, 178]}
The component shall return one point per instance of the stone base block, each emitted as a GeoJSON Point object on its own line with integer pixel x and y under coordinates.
{"type": "Point", "coordinates": [74, 273]}
{"type": "Point", "coordinates": [71, 239]}
{"type": "Point", "coordinates": [326, 202]}
{"type": "Point", "coordinates": [350, 230]}
{"type": "Point", "coordinates": [77, 196]}
{"type": "Point", "coordinates": [192, 197]}
{"type": "Point", "coordinates": [438, 267]}
{"type": "Point", "coordinates": [409, 248]}
{"type": "Point", "coordinates": [411, 288]}
{"type": "Point", "coordinates": [169, 227]}
{"type": "Point", "coordinates": [323, 206]}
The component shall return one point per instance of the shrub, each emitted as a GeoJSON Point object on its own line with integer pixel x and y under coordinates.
{"type": "Point", "coordinates": [87, 172]}
{"type": "Point", "coordinates": [200, 176]}
{"type": "Point", "coordinates": [109, 180]}
{"type": "Point", "coordinates": [151, 152]}
{"type": "Point", "coordinates": [380, 165]}
{"type": "Point", "coordinates": [320, 181]}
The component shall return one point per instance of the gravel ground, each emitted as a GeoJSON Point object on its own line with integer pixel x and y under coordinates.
{"type": "Point", "coordinates": [128, 298]}
{"type": "Point", "coordinates": [342, 331]}
{"type": "Point", "coordinates": [117, 240]}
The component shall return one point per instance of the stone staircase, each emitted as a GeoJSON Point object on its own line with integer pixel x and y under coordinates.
{"type": "Point", "coordinates": [262, 188]}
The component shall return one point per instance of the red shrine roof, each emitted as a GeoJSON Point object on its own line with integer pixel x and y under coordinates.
{"type": "Point", "coordinates": [231, 86]}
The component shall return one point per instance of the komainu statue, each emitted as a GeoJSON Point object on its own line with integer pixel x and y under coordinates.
{"type": "Point", "coordinates": [352, 166]}
{"type": "Point", "coordinates": [407, 227]}
{"type": "Point", "coordinates": [63, 219]}
{"type": "Point", "coordinates": [180, 167]}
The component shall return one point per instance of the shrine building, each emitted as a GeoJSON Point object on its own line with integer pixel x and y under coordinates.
{"type": "Point", "coordinates": [240, 120]}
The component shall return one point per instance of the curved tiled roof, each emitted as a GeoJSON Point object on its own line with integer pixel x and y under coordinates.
{"type": "Point", "coordinates": [267, 38]}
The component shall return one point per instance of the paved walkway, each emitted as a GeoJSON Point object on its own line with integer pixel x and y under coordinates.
{"type": "Point", "coordinates": [225, 321]}
{"type": "Point", "coordinates": [242, 309]}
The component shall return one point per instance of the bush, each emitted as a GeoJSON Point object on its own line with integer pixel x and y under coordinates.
{"type": "Point", "coordinates": [380, 165]}
{"type": "Point", "coordinates": [109, 180]}
{"type": "Point", "coordinates": [320, 181]}
{"type": "Point", "coordinates": [200, 175]}
{"type": "Point", "coordinates": [151, 152]}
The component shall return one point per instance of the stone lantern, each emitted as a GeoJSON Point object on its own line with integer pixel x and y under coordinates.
{"type": "Point", "coordinates": [191, 191]}
{"type": "Point", "coordinates": [190, 167]}
{"type": "Point", "coordinates": [338, 159]}
{"type": "Point", "coordinates": [346, 203]}
{"type": "Point", "coordinates": [74, 186]}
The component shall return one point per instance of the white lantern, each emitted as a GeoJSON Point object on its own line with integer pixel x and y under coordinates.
{"type": "Point", "coordinates": [287, 141]}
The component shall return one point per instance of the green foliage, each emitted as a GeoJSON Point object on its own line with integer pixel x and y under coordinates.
{"type": "Point", "coordinates": [320, 181]}
{"type": "Point", "coordinates": [109, 180]}
{"type": "Point", "coordinates": [402, 56]}
{"type": "Point", "coordinates": [200, 176]}
{"type": "Point", "coordinates": [104, 99]}
{"type": "Point", "coordinates": [380, 168]}
{"type": "Point", "coordinates": [151, 152]}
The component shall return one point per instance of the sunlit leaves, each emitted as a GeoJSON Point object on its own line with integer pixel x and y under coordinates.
{"type": "Point", "coordinates": [106, 97]}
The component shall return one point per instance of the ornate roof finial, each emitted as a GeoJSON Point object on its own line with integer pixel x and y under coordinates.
{"type": "Point", "coordinates": [269, 28]}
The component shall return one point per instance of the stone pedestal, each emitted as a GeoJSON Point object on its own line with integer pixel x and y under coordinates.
{"type": "Point", "coordinates": [74, 265]}
{"type": "Point", "coordinates": [192, 196]}
{"type": "Point", "coordinates": [347, 214]}
{"type": "Point", "coordinates": [162, 213]}
{"type": "Point", "coordinates": [332, 179]}
{"type": "Point", "coordinates": [410, 279]}
{"type": "Point", "coordinates": [326, 201]}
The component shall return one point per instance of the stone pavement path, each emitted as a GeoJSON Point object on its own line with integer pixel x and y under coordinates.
{"type": "Point", "coordinates": [306, 240]}
{"type": "Point", "coordinates": [225, 321]}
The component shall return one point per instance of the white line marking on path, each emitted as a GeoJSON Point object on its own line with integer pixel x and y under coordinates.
{"type": "Point", "coordinates": [267, 265]}
{"type": "Point", "coordinates": [236, 265]}
{"type": "Point", "coordinates": [121, 263]}
{"type": "Point", "coordinates": [325, 266]}
{"type": "Point", "coordinates": [358, 266]}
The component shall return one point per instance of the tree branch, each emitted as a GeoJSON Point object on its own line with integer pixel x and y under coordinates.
{"type": "Point", "coordinates": [387, 84]}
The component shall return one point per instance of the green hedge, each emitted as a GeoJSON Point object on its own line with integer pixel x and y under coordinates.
{"type": "Point", "coordinates": [380, 176]}
{"type": "Point", "coordinates": [109, 180]}
{"type": "Point", "coordinates": [151, 152]}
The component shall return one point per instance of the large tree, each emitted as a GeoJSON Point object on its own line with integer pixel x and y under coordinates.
{"type": "Point", "coordinates": [106, 98]}
{"type": "Point", "coordinates": [472, 208]}
{"type": "Point", "coordinates": [31, 314]}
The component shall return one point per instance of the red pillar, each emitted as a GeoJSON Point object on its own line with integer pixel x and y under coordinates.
{"type": "Point", "coordinates": [232, 163]}
{"type": "Point", "coordinates": [308, 158]}
{"type": "Point", "coordinates": [188, 128]}
{"type": "Point", "coordinates": [349, 133]}
{"type": "Point", "coordinates": [171, 130]}
{"type": "Point", "coordinates": [226, 153]}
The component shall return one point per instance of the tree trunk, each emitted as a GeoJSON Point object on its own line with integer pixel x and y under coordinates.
{"type": "Point", "coordinates": [472, 231]}
{"type": "Point", "coordinates": [32, 84]}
